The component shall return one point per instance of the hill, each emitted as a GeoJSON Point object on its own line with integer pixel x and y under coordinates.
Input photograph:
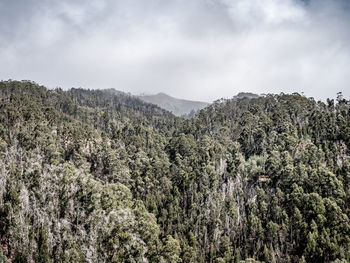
{"type": "Point", "coordinates": [179, 107]}
{"type": "Point", "coordinates": [101, 176]}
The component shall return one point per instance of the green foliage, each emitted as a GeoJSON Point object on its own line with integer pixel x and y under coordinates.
{"type": "Point", "coordinates": [3, 258]}
{"type": "Point", "coordinates": [171, 250]}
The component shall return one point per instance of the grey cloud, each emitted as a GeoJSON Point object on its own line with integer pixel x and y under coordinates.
{"type": "Point", "coordinates": [200, 49]}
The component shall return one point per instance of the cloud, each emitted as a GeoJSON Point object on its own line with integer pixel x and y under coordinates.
{"type": "Point", "coordinates": [264, 12]}
{"type": "Point", "coordinates": [199, 49]}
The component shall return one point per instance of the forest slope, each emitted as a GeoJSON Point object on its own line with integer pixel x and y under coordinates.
{"type": "Point", "coordinates": [100, 176]}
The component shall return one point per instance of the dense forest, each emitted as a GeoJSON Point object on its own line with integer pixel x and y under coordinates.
{"type": "Point", "coordinates": [100, 176]}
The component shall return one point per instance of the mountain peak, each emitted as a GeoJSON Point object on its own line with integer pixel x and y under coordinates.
{"type": "Point", "coordinates": [177, 106]}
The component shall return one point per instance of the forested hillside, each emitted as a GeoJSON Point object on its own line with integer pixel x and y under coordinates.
{"type": "Point", "coordinates": [100, 176]}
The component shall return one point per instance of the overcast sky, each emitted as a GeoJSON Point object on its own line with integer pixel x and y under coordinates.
{"type": "Point", "coordinates": [194, 49]}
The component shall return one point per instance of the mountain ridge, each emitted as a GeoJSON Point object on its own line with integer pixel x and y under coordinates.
{"type": "Point", "coordinates": [179, 107]}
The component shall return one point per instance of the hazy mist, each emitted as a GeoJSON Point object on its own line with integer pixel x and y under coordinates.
{"type": "Point", "coordinates": [198, 49]}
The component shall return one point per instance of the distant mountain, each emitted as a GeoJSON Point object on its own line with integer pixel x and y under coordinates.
{"type": "Point", "coordinates": [177, 106]}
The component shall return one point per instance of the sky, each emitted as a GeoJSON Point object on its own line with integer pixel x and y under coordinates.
{"type": "Point", "coordinates": [193, 49]}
